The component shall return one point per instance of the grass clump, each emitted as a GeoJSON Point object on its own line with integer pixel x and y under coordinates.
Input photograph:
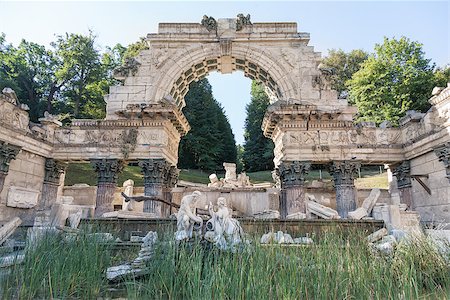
{"type": "Point", "coordinates": [58, 267]}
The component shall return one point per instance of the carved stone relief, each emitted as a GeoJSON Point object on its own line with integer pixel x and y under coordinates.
{"type": "Point", "coordinates": [21, 197]}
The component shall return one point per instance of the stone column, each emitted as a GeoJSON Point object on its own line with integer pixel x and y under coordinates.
{"type": "Point", "coordinates": [170, 182]}
{"type": "Point", "coordinates": [7, 153]}
{"type": "Point", "coordinates": [404, 185]}
{"type": "Point", "coordinates": [344, 173]}
{"type": "Point", "coordinates": [155, 179]}
{"type": "Point", "coordinates": [443, 154]}
{"type": "Point", "coordinates": [107, 173]}
{"type": "Point", "coordinates": [292, 175]}
{"type": "Point", "coordinates": [53, 171]}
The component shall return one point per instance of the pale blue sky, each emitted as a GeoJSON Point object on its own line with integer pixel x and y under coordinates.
{"type": "Point", "coordinates": [347, 25]}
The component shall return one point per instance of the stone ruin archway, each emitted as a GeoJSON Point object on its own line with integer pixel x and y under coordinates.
{"type": "Point", "coordinates": [144, 122]}
{"type": "Point", "coordinates": [306, 120]}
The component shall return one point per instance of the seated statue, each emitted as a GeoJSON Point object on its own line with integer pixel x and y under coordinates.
{"type": "Point", "coordinates": [186, 218]}
{"type": "Point", "coordinates": [224, 231]}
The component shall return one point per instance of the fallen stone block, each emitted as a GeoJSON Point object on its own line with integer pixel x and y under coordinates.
{"type": "Point", "coordinates": [377, 235]}
{"type": "Point", "coordinates": [267, 238]}
{"type": "Point", "coordinates": [8, 229]}
{"type": "Point", "coordinates": [321, 210]}
{"type": "Point", "coordinates": [371, 200]}
{"type": "Point", "coordinates": [268, 214]}
{"type": "Point", "coordinates": [357, 214]}
{"type": "Point", "coordinates": [296, 216]}
{"type": "Point", "coordinates": [10, 260]}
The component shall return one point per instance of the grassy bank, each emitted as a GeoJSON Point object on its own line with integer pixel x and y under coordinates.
{"type": "Point", "coordinates": [83, 173]}
{"type": "Point", "coordinates": [333, 268]}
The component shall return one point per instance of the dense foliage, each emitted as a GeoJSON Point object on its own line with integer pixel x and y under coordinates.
{"type": "Point", "coordinates": [396, 78]}
{"type": "Point", "coordinates": [344, 65]}
{"type": "Point", "coordinates": [210, 142]}
{"type": "Point", "coordinates": [70, 78]}
{"type": "Point", "coordinates": [258, 150]}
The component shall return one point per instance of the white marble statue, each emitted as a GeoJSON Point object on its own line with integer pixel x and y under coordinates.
{"type": "Point", "coordinates": [128, 190]}
{"type": "Point", "coordinates": [224, 231]}
{"type": "Point", "coordinates": [186, 218]}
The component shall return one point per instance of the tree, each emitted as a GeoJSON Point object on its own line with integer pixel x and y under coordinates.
{"type": "Point", "coordinates": [258, 150]}
{"type": "Point", "coordinates": [442, 76]}
{"type": "Point", "coordinates": [210, 142]}
{"type": "Point", "coordinates": [81, 63]}
{"type": "Point", "coordinates": [395, 79]}
{"type": "Point", "coordinates": [344, 65]}
{"type": "Point", "coordinates": [27, 69]}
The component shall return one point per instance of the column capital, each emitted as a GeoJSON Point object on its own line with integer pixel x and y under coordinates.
{"type": "Point", "coordinates": [172, 177]}
{"type": "Point", "coordinates": [155, 171]}
{"type": "Point", "coordinates": [53, 170]}
{"type": "Point", "coordinates": [107, 169]}
{"type": "Point", "coordinates": [443, 154]}
{"type": "Point", "coordinates": [7, 153]}
{"type": "Point", "coordinates": [344, 172]}
{"type": "Point", "coordinates": [292, 173]}
{"type": "Point", "coordinates": [403, 173]}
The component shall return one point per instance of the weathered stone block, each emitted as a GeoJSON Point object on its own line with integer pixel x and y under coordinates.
{"type": "Point", "coordinates": [22, 197]}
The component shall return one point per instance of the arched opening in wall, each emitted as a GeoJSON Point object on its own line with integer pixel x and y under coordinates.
{"type": "Point", "coordinates": [218, 107]}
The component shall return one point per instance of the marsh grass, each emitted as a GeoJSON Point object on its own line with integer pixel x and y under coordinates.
{"type": "Point", "coordinates": [335, 267]}
{"type": "Point", "coordinates": [60, 268]}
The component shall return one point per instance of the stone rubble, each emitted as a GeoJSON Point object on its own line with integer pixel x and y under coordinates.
{"type": "Point", "coordinates": [283, 238]}
{"type": "Point", "coordinates": [138, 266]}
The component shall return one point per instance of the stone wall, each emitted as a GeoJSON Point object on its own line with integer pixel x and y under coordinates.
{"type": "Point", "coordinates": [22, 189]}
{"type": "Point", "coordinates": [434, 207]}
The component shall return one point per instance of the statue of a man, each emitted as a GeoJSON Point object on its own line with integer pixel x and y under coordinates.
{"type": "Point", "coordinates": [186, 217]}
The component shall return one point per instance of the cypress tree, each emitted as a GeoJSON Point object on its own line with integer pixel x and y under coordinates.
{"type": "Point", "coordinates": [210, 142]}
{"type": "Point", "coordinates": [258, 150]}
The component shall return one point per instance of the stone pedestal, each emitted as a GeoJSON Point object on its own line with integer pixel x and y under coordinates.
{"type": "Point", "coordinates": [7, 153]}
{"type": "Point", "coordinates": [402, 172]}
{"type": "Point", "coordinates": [292, 175]}
{"type": "Point", "coordinates": [107, 173]}
{"type": "Point", "coordinates": [53, 171]}
{"type": "Point", "coordinates": [344, 173]}
{"type": "Point", "coordinates": [159, 177]}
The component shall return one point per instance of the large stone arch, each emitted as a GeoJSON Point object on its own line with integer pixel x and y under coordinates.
{"type": "Point", "coordinates": [199, 61]}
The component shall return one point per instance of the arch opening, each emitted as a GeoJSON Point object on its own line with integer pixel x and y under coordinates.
{"type": "Point", "coordinates": [224, 65]}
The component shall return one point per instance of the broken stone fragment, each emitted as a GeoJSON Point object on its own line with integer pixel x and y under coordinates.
{"type": "Point", "coordinates": [303, 240]}
{"type": "Point", "coordinates": [321, 210]}
{"type": "Point", "coordinates": [377, 235]}
{"type": "Point", "coordinates": [8, 229]}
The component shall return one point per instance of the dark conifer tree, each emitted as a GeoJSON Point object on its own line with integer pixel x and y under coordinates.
{"type": "Point", "coordinates": [210, 142]}
{"type": "Point", "coordinates": [258, 150]}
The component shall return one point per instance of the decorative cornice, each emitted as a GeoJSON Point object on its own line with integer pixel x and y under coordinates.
{"type": "Point", "coordinates": [7, 153]}
{"type": "Point", "coordinates": [53, 170]}
{"type": "Point", "coordinates": [443, 154]}
{"type": "Point", "coordinates": [107, 169]}
{"type": "Point", "coordinates": [292, 173]}
{"type": "Point", "coordinates": [344, 172]}
{"type": "Point", "coordinates": [403, 174]}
